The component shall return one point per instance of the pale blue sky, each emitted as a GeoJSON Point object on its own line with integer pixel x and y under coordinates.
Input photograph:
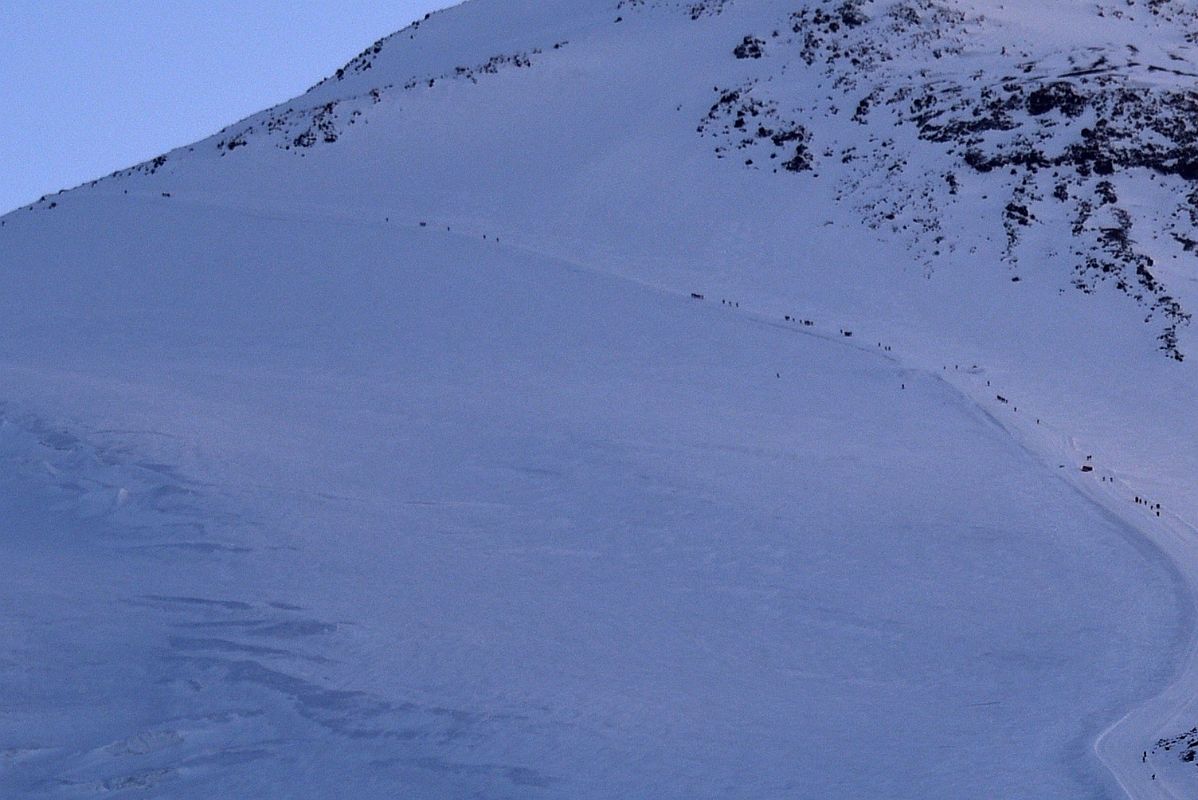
{"type": "Point", "coordinates": [89, 87]}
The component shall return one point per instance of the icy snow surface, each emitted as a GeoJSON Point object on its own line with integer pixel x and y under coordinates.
{"type": "Point", "coordinates": [378, 446]}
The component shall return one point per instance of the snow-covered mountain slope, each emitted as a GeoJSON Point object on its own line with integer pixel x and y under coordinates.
{"type": "Point", "coordinates": [400, 510]}
{"type": "Point", "coordinates": [379, 445]}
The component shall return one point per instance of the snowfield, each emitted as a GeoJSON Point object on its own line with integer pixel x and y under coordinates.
{"type": "Point", "coordinates": [460, 433]}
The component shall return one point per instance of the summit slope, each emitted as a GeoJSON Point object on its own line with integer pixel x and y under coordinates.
{"type": "Point", "coordinates": [602, 399]}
